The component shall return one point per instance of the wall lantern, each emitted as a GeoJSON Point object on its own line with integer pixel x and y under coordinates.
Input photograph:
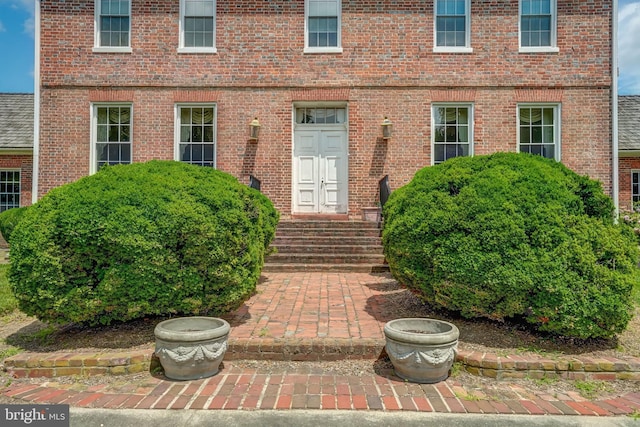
{"type": "Point", "coordinates": [255, 129]}
{"type": "Point", "coordinates": [387, 128]}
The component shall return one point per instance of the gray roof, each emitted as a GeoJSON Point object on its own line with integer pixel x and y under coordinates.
{"type": "Point", "coordinates": [16, 120]}
{"type": "Point", "coordinates": [629, 122]}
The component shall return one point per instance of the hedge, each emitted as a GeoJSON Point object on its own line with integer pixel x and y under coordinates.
{"type": "Point", "coordinates": [514, 236]}
{"type": "Point", "coordinates": [130, 241]}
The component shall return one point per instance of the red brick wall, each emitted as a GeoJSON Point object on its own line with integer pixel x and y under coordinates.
{"type": "Point", "coordinates": [386, 43]}
{"type": "Point", "coordinates": [24, 163]}
{"type": "Point", "coordinates": [584, 141]}
{"type": "Point", "coordinates": [388, 68]}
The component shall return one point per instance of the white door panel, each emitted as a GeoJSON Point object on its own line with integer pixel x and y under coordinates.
{"type": "Point", "coordinates": [320, 171]}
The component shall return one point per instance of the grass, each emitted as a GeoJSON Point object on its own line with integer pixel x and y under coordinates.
{"type": "Point", "coordinates": [8, 302]}
{"type": "Point", "coordinates": [590, 389]}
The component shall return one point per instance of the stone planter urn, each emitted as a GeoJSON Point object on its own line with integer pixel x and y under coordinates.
{"type": "Point", "coordinates": [421, 350]}
{"type": "Point", "coordinates": [191, 347]}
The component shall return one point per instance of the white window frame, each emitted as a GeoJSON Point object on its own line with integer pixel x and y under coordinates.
{"type": "Point", "coordinates": [469, 106]}
{"type": "Point", "coordinates": [4, 207]}
{"type": "Point", "coordinates": [322, 49]}
{"type": "Point", "coordinates": [196, 49]}
{"type": "Point", "coordinates": [453, 49]}
{"type": "Point", "coordinates": [178, 123]}
{"type": "Point", "coordinates": [634, 195]}
{"type": "Point", "coordinates": [93, 154]}
{"type": "Point", "coordinates": [553, 47]}
{"type": "Point", "coordinates": [96, 26]}
{"type": "Point", "coordinates": [557, 125]}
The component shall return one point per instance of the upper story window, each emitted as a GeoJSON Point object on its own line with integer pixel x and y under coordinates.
{"type": "Point", "coordinates": [452, 26]}
{"type": "Point", "coordinates": [113, 26]}
{"type": "Point", "coordinates": [539, 130]}
{"type": "Point", "coordinates": [111, 135]}
{"type": "Point", "coordinates": [197, 26]}
{"type": "Point", "coordinates": [452, 134]}
{"type": "Point", "coordinates": [538, 26]}
{"type": "Point", "coordinates": [196, 134]}
{"type": "Point", "coordinates": [322, 25]}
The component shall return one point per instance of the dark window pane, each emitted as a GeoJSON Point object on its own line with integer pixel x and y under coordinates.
{"type": "Point", "coordinates": [438, 153]}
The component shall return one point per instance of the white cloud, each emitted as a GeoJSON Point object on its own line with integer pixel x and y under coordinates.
{"type": "Point", "coordinates": [2, 27]}
{"type": "Point", "coordinates": [628, 48]}
{"type": "Point", "coordinates": [28, 6]}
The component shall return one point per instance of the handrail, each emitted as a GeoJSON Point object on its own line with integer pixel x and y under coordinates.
{"type": "Point", "coordinates": [254, 182]}
{"type": "Point", "coordinates": [385, 190]}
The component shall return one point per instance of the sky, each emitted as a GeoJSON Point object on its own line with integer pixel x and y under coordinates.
{"type": "Point", "coordinates": [17, 46]}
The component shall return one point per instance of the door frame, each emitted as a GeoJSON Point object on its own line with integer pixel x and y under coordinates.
{"type": "Point", "coordinates": [344, 127]}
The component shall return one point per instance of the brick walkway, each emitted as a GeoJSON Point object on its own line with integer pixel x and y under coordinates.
{"type": "Point", "coordinates": [317, 316]}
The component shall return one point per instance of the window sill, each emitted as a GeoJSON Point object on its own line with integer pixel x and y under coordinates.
{"type": "Point", "coordinates": [106, 49]}
{"type": "Point", "coordinates": [452, 49]}
{"type": "Point", "coordinates": [541, 49]}
{"type": "Point", "coordinates": [322, 50]}
{"type": "Point", "coordinates": [197, 50]}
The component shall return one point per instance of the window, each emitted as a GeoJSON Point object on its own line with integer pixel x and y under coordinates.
{"type": "Point", "coordinates": [452, 26]}
{"type": "Point", "coordinates": [321, 115]}
{"type": "Point", "coordinates": [111, 135]}
{"type": "Point", "coordinates": [113, 25]}
{"type": "Point", "coordinates": [538, 130]}
{"type": "Point", "coordinates": [537, 25]}
{"type": "Point", "coordinates": [9, 189]}
{"type": "Point", "coordinates": [323, 26]}
{"type": "Point", "coordinates": [196, 139]}
{"type": "Point", "coordinates": [452, 131]}
{"type": "Point", "coordinates": [197, 25]}
{"type": "Point", "coordinates": [635, 188]}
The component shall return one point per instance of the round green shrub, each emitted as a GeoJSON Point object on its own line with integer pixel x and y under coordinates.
{"type": "Point", "coordinates": [9, 219]}
{"type": "Point", "coordinates": [513, 236]}
{"type": "Point", "coordinates": [152, 238]}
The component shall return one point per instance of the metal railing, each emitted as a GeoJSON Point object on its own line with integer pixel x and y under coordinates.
{"type": "Point", "coordinates": [254, 182]}
{"type": "Point", "coordinates": [385, 190]}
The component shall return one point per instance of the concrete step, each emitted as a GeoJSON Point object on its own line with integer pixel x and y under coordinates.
{"type": "Point", "coordinates": [306, 248]}
{"type": "Point", "coordinates": [328, 232]}
{"type": "Point", "coordinates": [353, 268]}
{"type": "Point", "coordinates": [315, 224]}
{"type": "Point", "coordinates": [280, 241]}
{"type": "Point", "coordinates": [315, 258]}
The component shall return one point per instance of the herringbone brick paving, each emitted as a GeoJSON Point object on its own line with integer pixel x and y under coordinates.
{"type": "Point", "coordinates": [314, 306]}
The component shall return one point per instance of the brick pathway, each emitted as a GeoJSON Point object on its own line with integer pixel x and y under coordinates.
{"type": "Point", "coordinates": [336, 309]}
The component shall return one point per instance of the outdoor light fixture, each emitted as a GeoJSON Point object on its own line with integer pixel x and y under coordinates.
{"type": "Point", "coordinates": [387, 128]}
{"type": "Point", "coordinates": [255, 128]}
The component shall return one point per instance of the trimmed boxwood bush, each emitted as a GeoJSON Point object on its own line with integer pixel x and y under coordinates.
{"type": "Point", "coordinates": [152, 238]}
{"type": "Point", "coordinates": [513, 236]}
{"type": "Point", "coordinates": [9, 219]}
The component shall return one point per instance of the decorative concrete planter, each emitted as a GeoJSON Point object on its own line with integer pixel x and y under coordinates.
{"type": "Point", "coordinates": [372, 214]}
{"type": "Point", "coordinates": [191, 347]}
{"type": "Point", "coordinates": [421, 350]}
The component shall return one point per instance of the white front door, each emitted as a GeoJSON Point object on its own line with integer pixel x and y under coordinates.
{"type": "Point", "coordinates": [320, 171]}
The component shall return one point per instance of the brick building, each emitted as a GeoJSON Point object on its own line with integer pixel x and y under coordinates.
{"type": "Point", "coordinates": [132, 80]}
{"type": "Point", "coordinates": [629, 175]}
{"type": "Point", "coordinates": [16, 149]}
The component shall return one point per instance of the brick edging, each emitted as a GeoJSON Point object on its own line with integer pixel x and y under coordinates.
{"type": "Point", "coordinates": [533, 366]}
{"type": "Point", "coordinates": [32, 365]}
{"type": "Point", "coordinates": [51, 365]}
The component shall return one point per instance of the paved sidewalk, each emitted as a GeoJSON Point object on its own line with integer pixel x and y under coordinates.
{"type": "Point", "coordinates": [328, 311]}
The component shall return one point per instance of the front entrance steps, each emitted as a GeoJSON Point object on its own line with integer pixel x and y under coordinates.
{"type": "Point", "coordinates": [326, 245]}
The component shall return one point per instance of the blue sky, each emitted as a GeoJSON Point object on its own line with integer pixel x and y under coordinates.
{"type": "Point", "coordinates": [17, 46]}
